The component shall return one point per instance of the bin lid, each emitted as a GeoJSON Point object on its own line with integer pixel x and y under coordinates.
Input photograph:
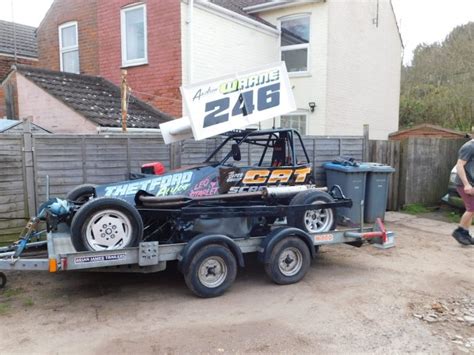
{"type": "Point", "coordinates": [378, 168]}
{"type": "Point", "coordinates": [346, 168]}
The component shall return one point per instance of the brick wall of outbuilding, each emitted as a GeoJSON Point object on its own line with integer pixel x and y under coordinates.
{"type": "Point", "coordinates": [60, 12]}
{"type": "Point", "coordinates": [6, 63]}
{"type": "Point", "coordinates": [158, 81]}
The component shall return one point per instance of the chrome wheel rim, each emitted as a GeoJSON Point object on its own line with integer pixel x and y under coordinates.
{"type": "Point", "coordinates": [212, 272]}
{"type": "Point", "coordinates": [290, 261]}
{"type": "Point", "coordinates": [319, 220]}
{"type": "Point", "coordinates": [108, 230]}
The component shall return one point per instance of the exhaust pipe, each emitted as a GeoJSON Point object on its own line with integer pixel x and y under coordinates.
{"type": "Point", "coordinates": [265, 193]}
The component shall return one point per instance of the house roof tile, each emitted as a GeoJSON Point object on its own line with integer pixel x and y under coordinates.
{"type": "Point", "coordinates": [24, 36]}
{"type": "Point", "coordinates": [239, 5]}
{"type": "Point", "coordinates": [94, 98]}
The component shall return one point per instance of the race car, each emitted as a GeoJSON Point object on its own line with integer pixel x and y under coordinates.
{"type": "Point", "coordinates": [222, 196]}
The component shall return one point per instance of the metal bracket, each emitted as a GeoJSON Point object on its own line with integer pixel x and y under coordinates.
{"type": "Point", "coordinates": [148, 253]}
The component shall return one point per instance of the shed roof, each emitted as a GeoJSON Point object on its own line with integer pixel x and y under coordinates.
{"type": "Point", "coordinates": [430, 127]}
{"type": "Point", "coordinates": [7, 124]}
{"type": "Point", "coordinates": [95, 98]}
{"type": "Point", "coordinates": [19, 38]}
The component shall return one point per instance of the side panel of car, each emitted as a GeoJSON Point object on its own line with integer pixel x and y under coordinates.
{"type": "Point", "coordinates": [208, 181]}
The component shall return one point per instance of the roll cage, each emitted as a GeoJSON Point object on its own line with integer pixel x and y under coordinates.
{"type": "Point", "coordinates": [281, 139]}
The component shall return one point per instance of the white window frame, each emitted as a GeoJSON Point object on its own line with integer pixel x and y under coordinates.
{"type": "Point", "coordinates": [139, 61]}
{"type": "Point", "coordinates": [62, 49]}
{"type": "Point", "coordinates": [306, 46]}
{"type": "Point", "coordinates": [298, 113]}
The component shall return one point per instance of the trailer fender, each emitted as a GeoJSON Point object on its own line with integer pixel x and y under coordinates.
{"type": "Point", "coordinates": [277, 235]}
{"type": "Point", "coordinates": [202, 240]}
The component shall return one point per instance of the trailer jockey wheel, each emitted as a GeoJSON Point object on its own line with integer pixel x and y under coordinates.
{"type": "Point", "coordinates": [3, 280]}
{"type": "Point", "coordinates": [289, 261]}
{"type": "Point", "coordinates": [211, 271]}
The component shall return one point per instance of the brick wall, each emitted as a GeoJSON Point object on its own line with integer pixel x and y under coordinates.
{"type": "Point", "coordinates": [62, 11]}
{"type": "Point", "coordinates": [162, 75]}
{"type": "Point", "coordinates": [6, 63]}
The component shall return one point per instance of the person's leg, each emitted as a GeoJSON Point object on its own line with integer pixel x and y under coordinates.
{"type": "Point", "coordinates": [466, 220]}
{"type": "Point", "coordinates": [461, 234]}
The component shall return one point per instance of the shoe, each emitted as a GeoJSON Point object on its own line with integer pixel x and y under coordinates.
{"type": "Point", "coordinates": [462, 236]}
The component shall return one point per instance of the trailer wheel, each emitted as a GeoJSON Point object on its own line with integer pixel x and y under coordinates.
{"type": "Point", "coordinates": [316, 220]}
{"type": "Point", "coordinates": [81, 194]}
{"type": "Point", "coordinates": [106, 224]}
{"type": "Point", "coordinates": [211, 272]}
{"type": "Point", "coordinates": [289, 261]}
{"type": "Point", "coordinates": [3, 280]}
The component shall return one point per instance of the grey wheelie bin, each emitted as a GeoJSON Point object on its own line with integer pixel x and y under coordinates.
{"type": "Point", "coordinates": [376, 191]}
{"type": "Point", "coordinates": [352, 180]}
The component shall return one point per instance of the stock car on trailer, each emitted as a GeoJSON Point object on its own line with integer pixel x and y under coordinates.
{"type": "Point", "coordinates": [205, 216]}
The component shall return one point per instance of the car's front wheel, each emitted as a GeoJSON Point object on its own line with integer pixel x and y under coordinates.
{"type": "Point", "coordinates": [106, 224]}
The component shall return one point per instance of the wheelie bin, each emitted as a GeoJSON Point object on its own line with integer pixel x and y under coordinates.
{"type": "Point", "coordinates": [376, 191]}
{"type": "Point", "coordinates": [352, 180]}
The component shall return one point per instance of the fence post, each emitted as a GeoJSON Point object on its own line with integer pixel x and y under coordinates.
{"type": "Point", "coordinates": [365, 151]}
{"type": "Point", "coordinates": [29, 168]}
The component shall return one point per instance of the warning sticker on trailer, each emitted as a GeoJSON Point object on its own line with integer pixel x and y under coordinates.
{"type": "Point", "coordinates": [98, 258]}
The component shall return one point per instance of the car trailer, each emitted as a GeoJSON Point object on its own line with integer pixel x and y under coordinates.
{"type": "Point", "coordinates": [209, 262]}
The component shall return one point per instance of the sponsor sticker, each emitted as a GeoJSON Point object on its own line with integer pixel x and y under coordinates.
{"type": "Point", "coordinates": [98, 258]}
{"type": "Point", "coordinates": [324, 238]}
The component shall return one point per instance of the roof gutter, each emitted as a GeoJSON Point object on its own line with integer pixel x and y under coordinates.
{"type": "Point", "coordinates": [203, 4]}
{"type": "Point", "coordinates": [277, 4]}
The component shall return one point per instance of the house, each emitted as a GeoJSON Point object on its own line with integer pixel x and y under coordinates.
{"type": "Point", "coordinates": [62, 102]}
{"type": "Point", "coordinates": [427, 131]}
{"type": "Point", "coordinates": [17, 45]}
{"type": "Point", "coordinates": [343, 57]}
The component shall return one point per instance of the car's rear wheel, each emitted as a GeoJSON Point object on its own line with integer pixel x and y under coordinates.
{"type": "Point", "coordinates": [106, 224]}
{"type": "Point", "coordinates": [314, 220]}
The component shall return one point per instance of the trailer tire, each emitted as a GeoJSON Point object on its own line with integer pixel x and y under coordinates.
{"type": "Point", "coordinates": [290, 259]}
{"type": "Point", "coordinates": [106, 224]}
{"type": "Point", "coordinates": [198, 276]}
{"type": "Point", "coordinates": [3, 280]}
{"type": "Point", "coordinates": [81, 194]}
{"type": "Point", "coordinates": [312, 221]}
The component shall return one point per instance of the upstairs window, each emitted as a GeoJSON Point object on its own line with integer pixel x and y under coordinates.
{"type": "Point", "coordinates": [134, 35]}
{"type": "Point", "coordinates": [294, 43]}
{"type": "Point", "coordinates": [69, 48]}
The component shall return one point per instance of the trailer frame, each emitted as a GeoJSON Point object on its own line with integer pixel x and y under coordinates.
{"type": "Point", "coordinates": [151, 256]}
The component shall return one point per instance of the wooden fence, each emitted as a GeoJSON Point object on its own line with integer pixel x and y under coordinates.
{"type": "Point", "coordinates": [70, 160]}
{"type": "Point", "coordinates": [423, 166]}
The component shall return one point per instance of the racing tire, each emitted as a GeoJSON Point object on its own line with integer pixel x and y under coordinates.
{"type": "Point", "coordinates": [81, 194]}
{"type": "Point", "coordinates": [312, 221]}
{"type": "Point", "coordinates": [290, 260]}
{"type": "Point", "coordinates": [211, 271]}
{"type": "Point", "coordinates": [106, 224]}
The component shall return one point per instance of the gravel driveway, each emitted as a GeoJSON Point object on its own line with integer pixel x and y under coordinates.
{"type": "Point", "coordinates": [416, 297]}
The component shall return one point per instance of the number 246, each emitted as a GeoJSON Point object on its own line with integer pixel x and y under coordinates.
{"type": "Point", "coordinates": [267, 97]}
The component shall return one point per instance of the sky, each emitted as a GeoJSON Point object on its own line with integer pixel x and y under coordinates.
{"type": "Point", "coordinates": [420, 21]}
